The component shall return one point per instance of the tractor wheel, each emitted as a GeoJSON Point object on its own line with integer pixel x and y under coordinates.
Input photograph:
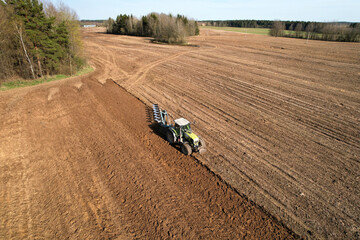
{"type": "Point", "coordinates": [202, 143]}
{"type": "Point", "coordinates": [186, 149]}
{"type": "Point", "coordinates": [202, 146]}
{"type": "Point", "coordinates": [170, 137]}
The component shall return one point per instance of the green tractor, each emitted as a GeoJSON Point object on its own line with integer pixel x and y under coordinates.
{"type": "Point", "coordinates": [179, 133]}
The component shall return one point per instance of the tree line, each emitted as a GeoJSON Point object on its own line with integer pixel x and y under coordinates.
{"type": "Point", "coordinates": [342, 32]}
{"type": "Point", "coordinates": [348, 32]}
{"type": "Point", "coordinates": [162, 27]}
{"type": "Point", "coordinates": [238, 23]}
{"type": "Point", "coordinates": [37, 40]}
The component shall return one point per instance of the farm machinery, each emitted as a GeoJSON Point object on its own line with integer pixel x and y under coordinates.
{"type": "Point", "coordinates": [179, 133]}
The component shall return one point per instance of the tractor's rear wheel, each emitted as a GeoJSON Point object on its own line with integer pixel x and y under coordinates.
{"type": "Point", "coordinates": [186, 149]}
{"type": "Point", "coordinates": [170, 137]}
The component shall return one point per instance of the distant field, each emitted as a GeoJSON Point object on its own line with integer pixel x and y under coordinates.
{"type": "Point", "coordinates": [260, 31]}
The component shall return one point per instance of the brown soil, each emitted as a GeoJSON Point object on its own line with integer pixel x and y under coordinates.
{"type": "Point", "coordinates": [281, 117]}
{"type": "Point", "coordinates": [78, 159]}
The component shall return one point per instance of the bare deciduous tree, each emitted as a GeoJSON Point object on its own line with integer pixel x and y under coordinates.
{"type": "Point", "coordinates": [277, 29]}
{"type": "Point", "coordinates": [298, 29]}
{"type": "Point", "coordinates": [19, 33]}
{"type": "Point", "coordinates": [309, 30]}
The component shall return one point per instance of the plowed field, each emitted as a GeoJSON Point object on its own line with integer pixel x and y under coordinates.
{"type": "Point", "coordinates": [78, 160]}
{"type": "Point", "coordinates": [281, 117]}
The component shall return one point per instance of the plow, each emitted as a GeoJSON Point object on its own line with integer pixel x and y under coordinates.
{"type": "Point", "coordinates": [179, 133]}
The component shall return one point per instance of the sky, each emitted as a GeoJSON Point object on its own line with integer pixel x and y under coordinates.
{"type": "Point", "coordinates": [299, 10]}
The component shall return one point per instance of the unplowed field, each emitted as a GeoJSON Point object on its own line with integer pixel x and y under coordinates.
{"type": "Point", "coordinates": [281, 117]}
{"type": "Point", "coordinates": [78, 160]}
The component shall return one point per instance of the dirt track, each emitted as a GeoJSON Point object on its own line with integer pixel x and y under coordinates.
{"type": "Point", "coordinates": [78, 160]}
{"type": "Point", "coordinates": [280, 116]}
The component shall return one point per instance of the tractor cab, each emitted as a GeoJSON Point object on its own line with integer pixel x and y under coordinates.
{"type": "Point", "coordinates": [182, 125]}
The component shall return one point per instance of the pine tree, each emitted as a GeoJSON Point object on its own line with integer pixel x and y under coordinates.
{"type": "Point", "coordinates": [145, 26]}
{"type": "Point", "coordinates": [49, 45]}
{"type": "Point", "coordinates": [67, 19]}
{"type": "Point", "coordinates": [42, 44]}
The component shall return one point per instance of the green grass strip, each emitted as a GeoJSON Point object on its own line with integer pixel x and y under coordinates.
{"type": "Point", "coordinates": [25, 83]}
{"type": "Point", "coordinates": [259, 31]}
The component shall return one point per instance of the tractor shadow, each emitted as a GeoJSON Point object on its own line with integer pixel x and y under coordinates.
{"type": "Point", "coordinates": [155, 127]}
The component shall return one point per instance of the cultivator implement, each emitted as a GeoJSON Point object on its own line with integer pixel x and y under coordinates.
{"type": "Point", "coordinates": [160, 116]}
{"type": "Point", "coordinates": [156, 111]}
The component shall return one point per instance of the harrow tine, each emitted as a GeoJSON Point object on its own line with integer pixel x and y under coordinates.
{"type": "Point", "coordinates": [156, 112]}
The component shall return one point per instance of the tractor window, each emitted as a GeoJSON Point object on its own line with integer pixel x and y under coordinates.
{"type": "Point", "coordinates": [187, 128]}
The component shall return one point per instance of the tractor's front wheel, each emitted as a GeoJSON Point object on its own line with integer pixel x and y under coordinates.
{"type": "Point", "coordinates": [202, 146]}
{"type": "Point", "coordinates": [186, 149]}
{"type": "Point", "coordinates": [202, 143]}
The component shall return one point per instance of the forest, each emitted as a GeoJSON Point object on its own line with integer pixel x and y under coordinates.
{"type": "Point", "coordinates": [38, 40]}
{"type": "Point", "coordinates": [162, 27]}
